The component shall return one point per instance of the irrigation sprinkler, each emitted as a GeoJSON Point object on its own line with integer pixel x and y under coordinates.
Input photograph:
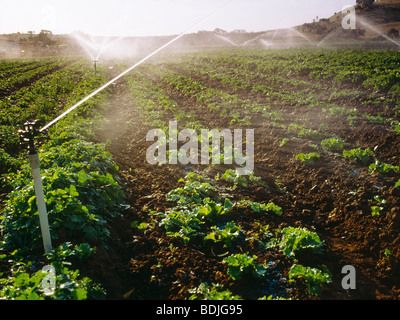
{"type": "Point", "coordinates": [28, 136]}
{"type": "Point", "coordinates": [95, 67]}
{"type": "Point", "coordinates": [31, 131]}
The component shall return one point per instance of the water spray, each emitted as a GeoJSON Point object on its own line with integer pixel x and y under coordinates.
{"type": "Point", "coordinates": [31, 131]}
{"type": "Point", "coordinates": [133, 67]}
{"type": "Point", "coordinates": [28, 136]}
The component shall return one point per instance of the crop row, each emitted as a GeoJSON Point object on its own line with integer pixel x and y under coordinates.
{"type": "Point", "coordinates": [372, 69]}
{"type": "Point", "coordinates": [82, 195]}
{"type": "Point", "coordinates": [41, 101]}
{"type": "Point", "coordinates": [21, 77]}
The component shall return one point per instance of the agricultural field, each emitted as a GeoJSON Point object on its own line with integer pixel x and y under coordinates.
{"type": "Point", "coordinates": [324, 193]}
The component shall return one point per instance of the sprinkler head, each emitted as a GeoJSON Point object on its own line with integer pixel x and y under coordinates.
{"type": "Point", "coordinates": [27, 136]}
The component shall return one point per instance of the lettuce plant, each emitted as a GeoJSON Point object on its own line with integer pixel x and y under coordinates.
{"type": "Point", "coordinates": [240, 265]}
{"type": "Point", "coordinates": [297, 240]}
{"type": "Point", "coordinates": [212, 292]}
{"type": "Point", "coordinates": [308, 158]}
{"type": "Point", "coordinates": [313, 278]}
{"type": "Point", "coordinates": [226, 234]}
{"type": "Point", "coordinates": [358, 154]}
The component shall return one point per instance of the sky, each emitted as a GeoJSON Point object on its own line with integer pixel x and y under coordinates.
{"type": "Point", "coordinates": [159, 17]}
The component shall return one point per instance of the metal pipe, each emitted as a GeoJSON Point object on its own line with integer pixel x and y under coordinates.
{"type": "Point", "coordinates": [95, 67]}
{"type": "Point", "coordinates": [28, 136]}
{"type": "Point", "coordinates": [41, 204]}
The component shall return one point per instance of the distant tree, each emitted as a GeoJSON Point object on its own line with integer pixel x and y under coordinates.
{"type": "Point", "coordinates": [365, 3]}
{"type": "Point", "coordinates": [220, 31]}
{"type": "Point", "coordinates": [239, 31]}
{"type": "Point", "coordinates": [45, 37]}
{"type": "Point", "coordinates": [393, 33]}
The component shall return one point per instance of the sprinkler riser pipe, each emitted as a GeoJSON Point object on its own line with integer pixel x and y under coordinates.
{"type": "Point", "coordinates": [41, 204]}
{"type": "Point", "coordinates": [95, 67]}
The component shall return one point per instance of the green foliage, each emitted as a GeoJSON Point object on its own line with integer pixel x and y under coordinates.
{"type": "Point", "coordinates": [376, 210]}
{"type": "Point", "coordinates": [193, 192]}
{"type": "Point", "coordinates": [79, 178]}
{"type": "Point", "coordinates": [383, 168]}
{"type": "Point", "coordinates": [262, 207]}
{"type": "Point", "coordinates": [283, 142]}
{"type": "Point", "coordinates": [240, 265]}
{"type": "Point", "coordinates": [334, 144]}
{"type": "Point", "coordinates": [214, 292]}
{"type": "Point", "coordinates": [309, 133]}
{"type": "Point", "coordinates": [313, 278]}
{"type": "Point", "coordinates": [184, 224]}
{"type": "Point", "coordinates": [233, 177]}
{"type": "Point", "coordinates": [308, 158]}
{"type": "Point", "coordinates": [226, 234]}
{"type": "Point", "coordinates": [76, 201]}
{"type": "Point", "coordinates": [7, 163]}
{"type": "Point", "coordinates": [358, 154]}
{"type": "Point", "coordinates": [213, 211]}
{"type": "Point", "coordinates": [58, 256]}
{"type": "Point", "coordinates": [297, 240]}
{"type": "Point", "coordinates": [69, 285]}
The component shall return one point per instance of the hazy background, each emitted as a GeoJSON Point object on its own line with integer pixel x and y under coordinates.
{"type": "Point", "coordinates": [158, 17]}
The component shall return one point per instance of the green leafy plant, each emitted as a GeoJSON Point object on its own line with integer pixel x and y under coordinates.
{"type": "Point", "coordinates": [226, 234]}
{"type": "Point", "coordinates": [212, 292]}
{"type": "Point", "coordinates": [313, 278]}
{"type": "Point", "coordinates": [309, 133]}
{"type": "Point", "coordinates": [262, 207]}
{"type": "Point", "coordinates": [263, 236]}
{"type": "Point", "coordinates": [283, 142]}
{"type": "Point", "coordinates": [193, 192]}
{"type": "Point", "coordinates": [383, 168]}
{"type": "Point", "coordinates": [297, 240]}
{"type": "Point", "coordinates": [308, 158]}
{"type": "Point", "coordinates": [233, 177]}
{"type": "Point", "coordinates": [334, 144]}
{"type": "Point", "coordinates": [358, 154]}
{"type": "Point", "coordinates": [212, 210]}
{"type": "Point", "coordinates": [185, 224]}
{"type": "Point", "coordinates": [240, 265]}
{"type": "Point", "coordinates": [69, 285]}
{"type": "Point", "coordinates": [376, 210]}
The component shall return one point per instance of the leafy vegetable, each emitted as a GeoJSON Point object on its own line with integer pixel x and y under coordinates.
{"type": "Point", "coordinates": [241, 265]}
{"type": "Point", "coordinates": [358, 155]}
{"type": "Point", "coordinates": [213, 292]}
{"type": "Point", "coordinates": [297, 240]}
{"type": "Point", "coordinates": [314, 278]}
{"type": "Point", "coordinates": [309, 158]}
